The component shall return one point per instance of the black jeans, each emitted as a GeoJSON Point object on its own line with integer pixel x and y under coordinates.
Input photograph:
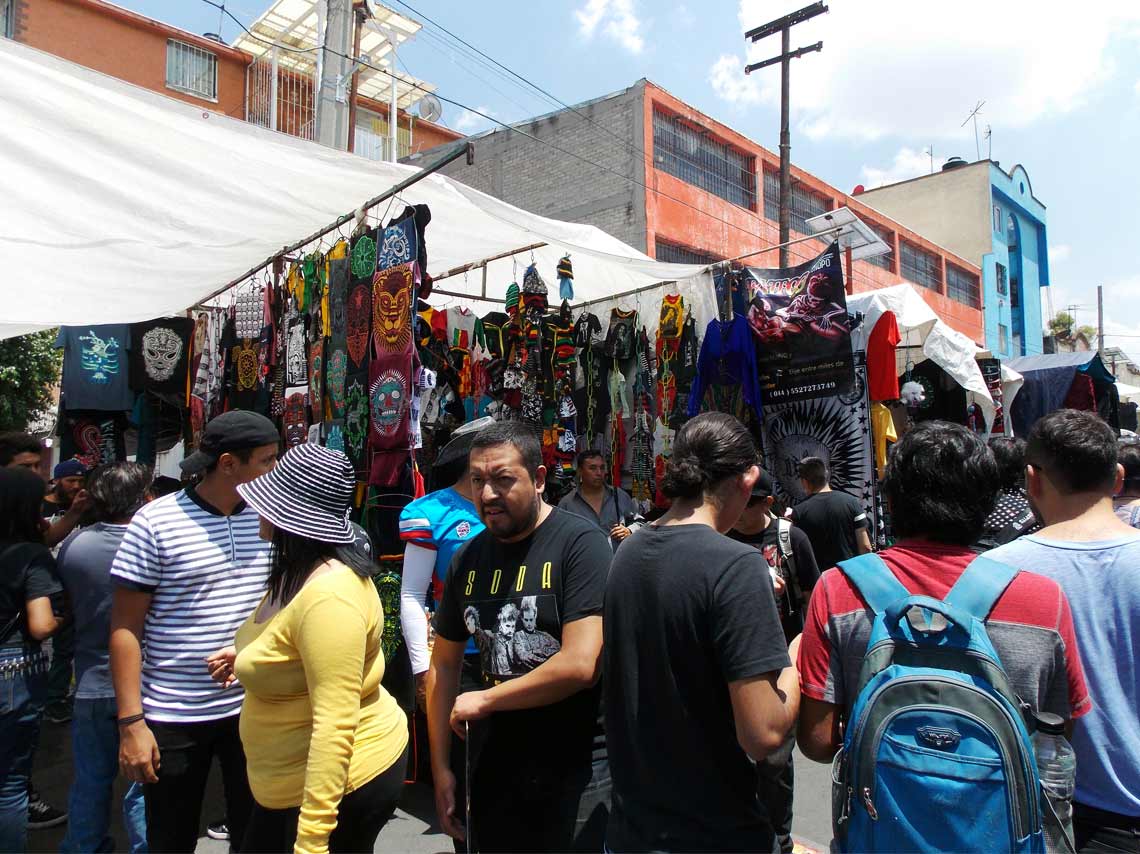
{"type": "Point", "coordinates": [360, 818]}
{"type": "Point", "coordinates": [538, 809]}
{"type": "Point", "coordinates": [775, 785]}
{"type": "Point", "coordinates": [1098, 831]}
{"type": "Point", "coordinates": [174, 803]}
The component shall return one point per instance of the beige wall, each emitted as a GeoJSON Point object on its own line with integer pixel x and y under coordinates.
{"type": "Point", "coordinates": [951, 208]}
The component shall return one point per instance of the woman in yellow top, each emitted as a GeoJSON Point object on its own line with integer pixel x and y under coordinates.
{"type": "Point", "coordinates": [325, 745]}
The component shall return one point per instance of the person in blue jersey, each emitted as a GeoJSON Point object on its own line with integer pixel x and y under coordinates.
{"type": "Point", "coordinates": [433, 528]}
{"type": "Point", "coordinates": [191, 567]}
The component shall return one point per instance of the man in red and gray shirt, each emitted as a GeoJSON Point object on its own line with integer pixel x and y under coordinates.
{"type": "Point", "coordinates": [941, 482]}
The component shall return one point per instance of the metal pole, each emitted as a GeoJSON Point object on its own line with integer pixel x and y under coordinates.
{"type": "Point", "coordinates": [273, 72]}
{"type": "Point", "coordinates": [357, 26]}
{"type": "Point", "coordinates": [393, 116]}
{"type": "Point", "coordinates": [1100, 320]}
{"type": "Point", "coordinates": [785, 145]}
{"type": "Point", "coordinates": [462, 149]}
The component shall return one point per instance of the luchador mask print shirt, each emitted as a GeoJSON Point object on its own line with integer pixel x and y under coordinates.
{"type": "Point", "coordinates": [513, 601]}
{"type": "Point", "coordinates": [160, 355]}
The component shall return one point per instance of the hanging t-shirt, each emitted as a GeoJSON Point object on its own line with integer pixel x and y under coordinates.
{"type": "Point", "coordinates": [619, 338]}
{"type": "Point", "coordinates": [882, 381]}
{"type": "Point", "coordinates": [296, 351]}
{"type": "Point", "coordinates": [160, 356]}
{"type": "Point", "coordinates": [464, 329]}
{"type": "Point", "coordinates": [514, 599]}
{"type": "Point", "coordinates": [883, 431]}
{"type": "Point", "coordinates": [93, 437]}
{"type": "Point", "coordinates": [728, 358]}
{"type": "Point", "coordinates": [95, 367]}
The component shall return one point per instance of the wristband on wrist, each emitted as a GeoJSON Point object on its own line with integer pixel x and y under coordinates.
{"type": "Point", "coordinates": [131, 719]}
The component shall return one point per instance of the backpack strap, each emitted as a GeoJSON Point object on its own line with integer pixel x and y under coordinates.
{"type": "Point", "coordinates": [784, 538]}
{"type": "Point", "coordinates": [980, 586]}
{"type": "Point", "coordinates": [874, 581]}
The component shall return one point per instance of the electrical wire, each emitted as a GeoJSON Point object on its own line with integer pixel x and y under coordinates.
{"type": "Point", "coordinates": [489, 118]}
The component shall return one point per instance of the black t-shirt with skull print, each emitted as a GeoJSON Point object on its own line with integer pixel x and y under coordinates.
{"type": "Point", "coordinates": [160, 354]}
{"type": "Point", "coordinates": [514, 599]}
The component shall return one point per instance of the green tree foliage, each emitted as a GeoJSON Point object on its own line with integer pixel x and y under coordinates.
{"type": "Point", "coordinates": [1062, 324]}
{"type": "Point", "coordinates": [29, 369]}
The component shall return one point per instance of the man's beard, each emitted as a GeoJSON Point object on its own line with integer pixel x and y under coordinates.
{"type": "Point", "coordinates": [515, 527]}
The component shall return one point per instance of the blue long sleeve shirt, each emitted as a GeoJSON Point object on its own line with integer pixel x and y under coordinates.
{"type": "Point", "coordinates": [728, 357]}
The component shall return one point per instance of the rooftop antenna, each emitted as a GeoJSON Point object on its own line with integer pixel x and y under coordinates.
{"type": "Point", "coordinates": [989, 136]}
{"type": "Point", "coordinates": [930, 150]}
{"type": "Point", "coordinates": [974, 115]}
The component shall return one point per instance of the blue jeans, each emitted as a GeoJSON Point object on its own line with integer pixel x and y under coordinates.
{"type": "Point", "coordinates": [95, 744]}
{"type": "Point", "coordinates": [22, 697]}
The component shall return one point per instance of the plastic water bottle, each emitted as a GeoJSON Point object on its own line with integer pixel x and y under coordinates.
{"type": "Point", "coordinates": [1056, 764]}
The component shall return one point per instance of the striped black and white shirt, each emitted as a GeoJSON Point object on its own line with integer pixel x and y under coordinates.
{"type": "Point", "coordinates": [207, 573]}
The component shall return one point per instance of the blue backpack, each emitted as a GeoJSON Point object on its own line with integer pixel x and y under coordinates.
{"type": "Point", "coordinates": [937, 755]}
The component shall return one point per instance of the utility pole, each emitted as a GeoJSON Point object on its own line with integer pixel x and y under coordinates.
{"type": "Point", "coordinates": [783, 26]}
{"type": "Point", "coordinates": [1100, 320]}
{"type": "Point", "coordinates": [331, 118]}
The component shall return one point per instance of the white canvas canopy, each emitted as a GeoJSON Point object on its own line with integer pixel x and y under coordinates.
{"type": "Point", "coordinates": [919, 326]}
{"type": "Point", "coordinates": [120, 204]}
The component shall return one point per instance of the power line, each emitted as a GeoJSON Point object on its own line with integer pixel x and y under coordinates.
{"type": "Point", "coordinates": [489, 118]}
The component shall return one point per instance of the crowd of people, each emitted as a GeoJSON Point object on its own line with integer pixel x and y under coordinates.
{"type": "Point", "coordinates": [591, 680]}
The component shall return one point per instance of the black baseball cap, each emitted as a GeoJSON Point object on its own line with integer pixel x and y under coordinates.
{"type": "Point", "coordinates": [460, 445]}
{"type": "Point", "coordinates": [236, 430]}
{"type": "Point", "coordinates": [764, 486]}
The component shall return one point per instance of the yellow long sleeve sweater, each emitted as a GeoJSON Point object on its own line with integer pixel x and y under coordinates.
{"type": "Point", "coordinates": [315, 723]}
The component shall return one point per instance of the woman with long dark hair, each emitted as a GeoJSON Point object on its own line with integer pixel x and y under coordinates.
{"type": "Point", "coordinates": [695, 658]}
{"type": "Point", "coordinates": [28, 584]}
{"type": "Point", "coordinates": [325, 744]}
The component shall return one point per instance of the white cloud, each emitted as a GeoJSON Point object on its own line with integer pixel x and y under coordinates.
{"type": "Point", "coordinates": [885, 70]}
{"type": "Point", "coordinates": [616, 19]}
{"type": "Point", "coordinates": [469, 123]}
{"type": "Point", "coordinates": [1137, 87]}
{"type": "Point", "coordinates": [1059, 253]}
{"type": "Point", "coordinates": [729, 81]}
{"type": "Point", "coordinates": [908, 163]}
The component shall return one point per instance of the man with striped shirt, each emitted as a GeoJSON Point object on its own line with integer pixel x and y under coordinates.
{"type": "Point", "coordinates": [190, 569]}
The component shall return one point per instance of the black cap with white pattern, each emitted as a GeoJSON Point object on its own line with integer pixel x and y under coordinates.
{"type": "Point", "coordinates": [308, 493]}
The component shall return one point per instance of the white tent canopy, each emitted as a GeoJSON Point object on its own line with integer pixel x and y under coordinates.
{"type": "Point", "coordinates": [948, 348]}
{"type": "Point", "coordinates": [120, 204]}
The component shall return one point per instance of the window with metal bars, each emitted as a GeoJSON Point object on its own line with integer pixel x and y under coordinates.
{"type": "Point", "coordinates": [675, 253]}
{"type": "Point", "coordinates": [919, 266]}
{"type": "Point", "coordinates": [887, 236]}
{"type": "Point", "coordinates": [191, 70]}
{"type": "Point", "coordinates": [700, 159]}
{"type": "Point", "coordinates": [963, 287]}
{"type": "Point", "coordinates": [805, 203]}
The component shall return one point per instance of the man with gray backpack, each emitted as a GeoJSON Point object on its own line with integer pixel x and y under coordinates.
{"type": "Point", "coordinates": [937, 663]}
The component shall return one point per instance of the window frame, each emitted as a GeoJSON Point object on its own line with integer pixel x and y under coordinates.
{"type": "Point", "coordinates": [961, 283]}
{"type": "Point", "coordinates": [198, 53]}
{"type": "Point", "coordinates": [682, 254]}
{"type": "Point", "coordinates": [801, 208]}
{"type": "Point", "coordinates": [999, 221]}
{"type": "Point", "coordinates": [1001, 278]}
{"type": "Point", "coordinates": [734, 182]}
{"type": "Point", "coordinates": [931, 278]}
{"type": "Point", "coordinates": [8, 13]}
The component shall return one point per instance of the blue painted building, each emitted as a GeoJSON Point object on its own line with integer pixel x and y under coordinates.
{"type": "Point", "coordinates": [991, 217]}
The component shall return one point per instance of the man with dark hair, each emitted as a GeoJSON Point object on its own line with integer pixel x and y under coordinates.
{"type": "Point", "coordinates": [540, 779]}
{"type": "Point", "coordinates": [21, 450]}
{"type": "Point", "coordinates": [117, 491]}
{"type": "Point", "coordinates": [1071, 477]}
{"type": "Point", "coordinates": [608, 507]}
{"type": "Point", "coordinates": [835, 522]}
{"type": "Point", "coordinates": [940, 484]}
{"type": "Point", "coordinates": [1012, 516]}
{"type": "Point", "coordinates": [192, 566]}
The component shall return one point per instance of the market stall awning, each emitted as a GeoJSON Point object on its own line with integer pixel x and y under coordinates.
{"type": "Point", "coordinates": [1048, 378]}
{"type": "Point", "coordinates": [121, 204]}
{"type": "Point", "coordinates": [920, 327]}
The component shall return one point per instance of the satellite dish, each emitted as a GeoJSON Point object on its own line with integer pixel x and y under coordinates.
{"type": "Point", "coordinates": [430, 109]}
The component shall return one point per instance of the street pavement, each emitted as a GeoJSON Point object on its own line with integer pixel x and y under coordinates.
{"type": "Point", "coordinates": [413, 829]}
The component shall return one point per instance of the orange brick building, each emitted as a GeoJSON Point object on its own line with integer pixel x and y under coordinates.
{"type": "Point", "coordinates": [696, 192]}
{"type": "Point", "coordinates": [192, 68]}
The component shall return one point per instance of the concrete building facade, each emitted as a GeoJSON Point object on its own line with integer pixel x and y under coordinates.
{"type": "Point", "coordinates": [682, 187]}
{"type": "Point", "coordinates": [991, 217]}
{"type": "Point", "coordinates": [195, 69]}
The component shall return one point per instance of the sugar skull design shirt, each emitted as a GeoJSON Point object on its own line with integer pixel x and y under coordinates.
{"type": "Point", "coordinates": [95, 365]}
{"type": "Point", "coordinates": [160, 357]}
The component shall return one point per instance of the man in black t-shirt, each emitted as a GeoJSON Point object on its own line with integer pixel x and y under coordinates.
{"type": "Point", "coordinates": [792, 566]}
{"type": "Point", "coordinates": [529, 590]}
{"type": "Point", "coordinates": [835, 522]}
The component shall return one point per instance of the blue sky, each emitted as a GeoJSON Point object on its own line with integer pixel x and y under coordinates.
{"type": "Point", "coordinates": [1062, 94]}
